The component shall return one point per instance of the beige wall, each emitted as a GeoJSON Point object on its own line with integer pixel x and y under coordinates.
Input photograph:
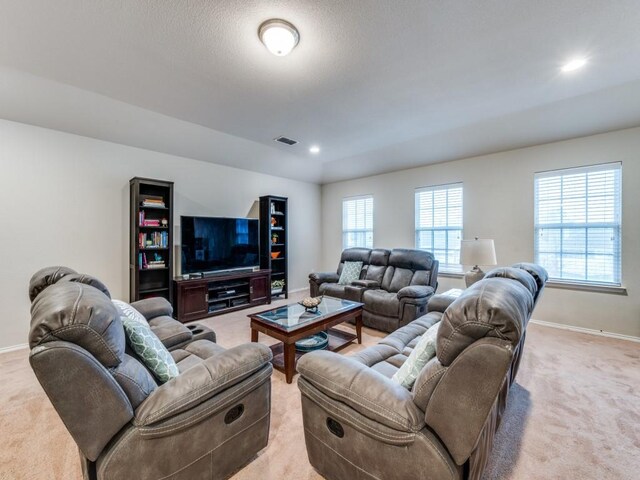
{"type": "Point", "coordinates": [498, 204]}
{"type": "Point", "coordinates": [64, 200]}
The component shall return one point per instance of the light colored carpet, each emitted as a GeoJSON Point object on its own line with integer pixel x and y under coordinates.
{"type": "Point", "coordinates": [574, 413]}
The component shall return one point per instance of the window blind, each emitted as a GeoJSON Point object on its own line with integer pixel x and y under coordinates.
{"type": "Point", "coordinates": [578, 223]}
{"type": "Point", "coordinates": [439, 222]}
{"type": "Point", "coordinates": [357, 222]}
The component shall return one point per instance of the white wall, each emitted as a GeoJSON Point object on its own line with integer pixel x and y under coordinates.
{"type": "Point", "coordinates": [498, 204]}
{"type": "Point", "coordinates": [65, 201]}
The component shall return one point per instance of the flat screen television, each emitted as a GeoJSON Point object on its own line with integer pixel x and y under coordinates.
{"type": "Point", "coordinates": [214, 244]}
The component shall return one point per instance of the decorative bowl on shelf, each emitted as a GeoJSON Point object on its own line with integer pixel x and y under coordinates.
{"type": "Point", "coordinates": [275, 254]}
{"type": "Point", "coordinates": [310, 304]}
{"type": "Point", "coordinates": [317, 341]}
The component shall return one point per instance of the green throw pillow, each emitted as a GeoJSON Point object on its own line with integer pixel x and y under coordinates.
{"type": "Point", "coordinates": [350, 273]}
{"type": "Point", "coordinates": [128, 311]}
{"type": "Point", "coordinates": [424, 351]}
{"type": "Point", "coordinates": [150, 350]}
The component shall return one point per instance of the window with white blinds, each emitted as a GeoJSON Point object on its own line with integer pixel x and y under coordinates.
{"type": "Point", "coordinates": [578, 223]}
{"type": "Point", "coordinates": [439, 223]}
{"type": "Point", "coordinates": [357, 222]}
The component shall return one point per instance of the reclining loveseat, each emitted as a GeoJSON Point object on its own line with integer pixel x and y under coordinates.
{"type": "Point", "coordinates": [394, 285]}
{"type": "Point", "coordinates": [361, 424]}
{"type": "Point", "coordinates": [205, 423]}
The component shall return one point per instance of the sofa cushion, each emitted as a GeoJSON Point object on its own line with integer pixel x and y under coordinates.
{"type": "Point", "coordinates": [80, 314]}
{"type": "Point", "coordinates": [87, 280]}
{"type": "Point", "coordinates": [424, 351]}
{"type": "Point", "coordinates": [135, 380]}
{"type": "Point", "coordinates": [150, 350]}
{"type": "Point", "coordinates": [45, 277]}
{"type": "Point", "coordinates": [493, 307]}
{"type": "Point", "coordinates": [350, 272]}
{"type": "Point", "coordinates": [195, 353]}
{"type": "Point", "coordinates": [381, 302]}
{"type": "Point", "coordinates": [401, 278]}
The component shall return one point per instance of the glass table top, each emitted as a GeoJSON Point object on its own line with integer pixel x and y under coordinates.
{"type": "Point", "coordinates": [290, 317]}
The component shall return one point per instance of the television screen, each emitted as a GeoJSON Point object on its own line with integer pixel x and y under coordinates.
{"type": "Point", "coordinates": [211, 244]}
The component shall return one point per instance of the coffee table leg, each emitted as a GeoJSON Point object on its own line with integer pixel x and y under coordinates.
{"type": "Point", "coordinates": [359, 328]}
{"type": "Point", "coordinates": [289, 361]}
{"type": "Point", "coordinates": [254, 335]}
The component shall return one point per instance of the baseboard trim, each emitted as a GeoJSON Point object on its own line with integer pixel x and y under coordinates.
{"type": "Point", "coordinates": [13, 348]}
{"type": "Point", "coordinates": [298, 290]}
{"type": "Point", "coordinates": [589, 331]}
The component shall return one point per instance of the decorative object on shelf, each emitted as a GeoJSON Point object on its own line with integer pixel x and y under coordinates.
{"type": "Point", "coordinates": [273, 208]}
{"type": "Point", "coordinates": [165, 222]}
{"type": "Point", "coordinates": [277, 286]}
{"type": "Point", "coordinates": [275, 254]}
{"type": "Point", "coordinates": [310, 304]}
{"type": "Point", "coordinates": [273, 221]}
{"type": "Point", "coordinates": [274, 238]}
{"type": "Point", "coordinates": [477, 252]}
{"type": "Point", "coordinates": [318, 341]}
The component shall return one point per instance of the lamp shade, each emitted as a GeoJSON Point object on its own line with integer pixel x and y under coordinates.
{"type": "Point", "coordinates": [477, 252]}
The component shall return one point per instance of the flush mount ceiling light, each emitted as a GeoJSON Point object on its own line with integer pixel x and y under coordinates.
{"type": "Point", "coordinates": [279, 36]}
{"type": "Point", "coordinates": [314, 149]}
{"type": "Point", "coordinates": [573, 65]}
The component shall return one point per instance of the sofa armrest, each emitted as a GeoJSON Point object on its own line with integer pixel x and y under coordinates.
{"type": "Point", "coordinates": [368, 392]}
{"type": "Point", "coordinates": [366, 283]}
{"type": "Point", "coordinates": [415, 292]}
{"type": "Point", "coordinates": [440, 302]}
{"type": "Point", "coordinates": [324, 277]}
{"type": "Point", "coordinates": [202, 381]}
{"type": "Point", "coordinates": [153, 307]}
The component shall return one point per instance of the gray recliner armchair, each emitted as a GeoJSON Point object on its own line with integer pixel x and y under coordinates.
{"type": "Point", "coordinates": [206, 423]}
{"type": "Point", "coordinates": [394, 285]}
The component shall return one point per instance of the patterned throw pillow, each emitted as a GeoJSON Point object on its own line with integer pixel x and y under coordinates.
{"type": "Point", "coordinates": [150, 350]}
{"type": "Point", "coordinates": [424, 351]}
{"type": "Point", "coordinates": [128, 311]}
{"type": "Point", "coordinates": [350, 273]}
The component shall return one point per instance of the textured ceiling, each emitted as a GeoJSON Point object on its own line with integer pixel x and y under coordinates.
{"type": "Point", "coordinates": [379, 85]}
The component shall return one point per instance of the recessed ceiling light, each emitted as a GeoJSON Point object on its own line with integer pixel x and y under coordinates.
{"type": "Point", "coordinates": [314, 149]}
{"type": "Point", "coordinates": [574, 64]}
{"type": "Point", "coordinates": [279, 36]}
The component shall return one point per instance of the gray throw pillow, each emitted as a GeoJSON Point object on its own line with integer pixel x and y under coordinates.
{"type": "Point", "coordinates": [150, 350]}
{"type": "Point", "coordinates": [424, 351]}
{"type": "Point", "coordinates": [350, 273]}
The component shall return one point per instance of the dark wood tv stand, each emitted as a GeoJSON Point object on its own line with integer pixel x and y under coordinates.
{"type": "Point", "coordinates": [197, 298]}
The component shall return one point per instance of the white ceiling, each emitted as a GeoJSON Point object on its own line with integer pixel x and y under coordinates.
{"type": "Point", "coordinates": [380, 85]}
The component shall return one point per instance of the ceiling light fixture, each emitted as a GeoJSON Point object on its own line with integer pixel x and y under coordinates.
{"type": "Point", "coordinates": [314, 149]}
{"type": "Point", "coordinates": [574, 64]}
{"type": "Point", "coordinates": [279, 36]}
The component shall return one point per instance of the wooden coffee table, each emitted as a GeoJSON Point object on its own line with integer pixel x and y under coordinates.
{"type": "Point", "coordinates": [291, 323]}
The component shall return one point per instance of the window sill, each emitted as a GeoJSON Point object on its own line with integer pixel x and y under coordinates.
{"type": "Point", "coordinates": [450, 274]}
{"type": "Point", "coordinates": [585, 287]}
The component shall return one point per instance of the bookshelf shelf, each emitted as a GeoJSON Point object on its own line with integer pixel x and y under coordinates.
{"type": "Point", "coordinates": [151, 282]}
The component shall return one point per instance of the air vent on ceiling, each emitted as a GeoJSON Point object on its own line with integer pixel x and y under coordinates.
{"type": "Point", "coordinates": [286, 141]}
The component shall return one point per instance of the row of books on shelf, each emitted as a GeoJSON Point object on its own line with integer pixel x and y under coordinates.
{"type": "Point", "coordinates": [150, 222]}
{"type": "Point", "coordinates": [153, 201]}
{"type": "Point", "coordinates": [145, 264]}
{"type": "Point", "coordinates": [153, 240]}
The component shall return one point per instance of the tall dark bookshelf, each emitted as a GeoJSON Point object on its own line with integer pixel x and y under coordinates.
{"type": "Point", "coordinates": [151, 245]}
{"type": "Point", "coordinates": [274, 220]}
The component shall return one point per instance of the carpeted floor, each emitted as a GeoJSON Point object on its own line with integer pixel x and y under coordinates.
{"type": "Point", "coordinates": [573, 414]}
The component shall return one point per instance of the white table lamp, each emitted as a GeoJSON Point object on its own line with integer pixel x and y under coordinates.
{"type": "Point", "coordinates": [477, 252]}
